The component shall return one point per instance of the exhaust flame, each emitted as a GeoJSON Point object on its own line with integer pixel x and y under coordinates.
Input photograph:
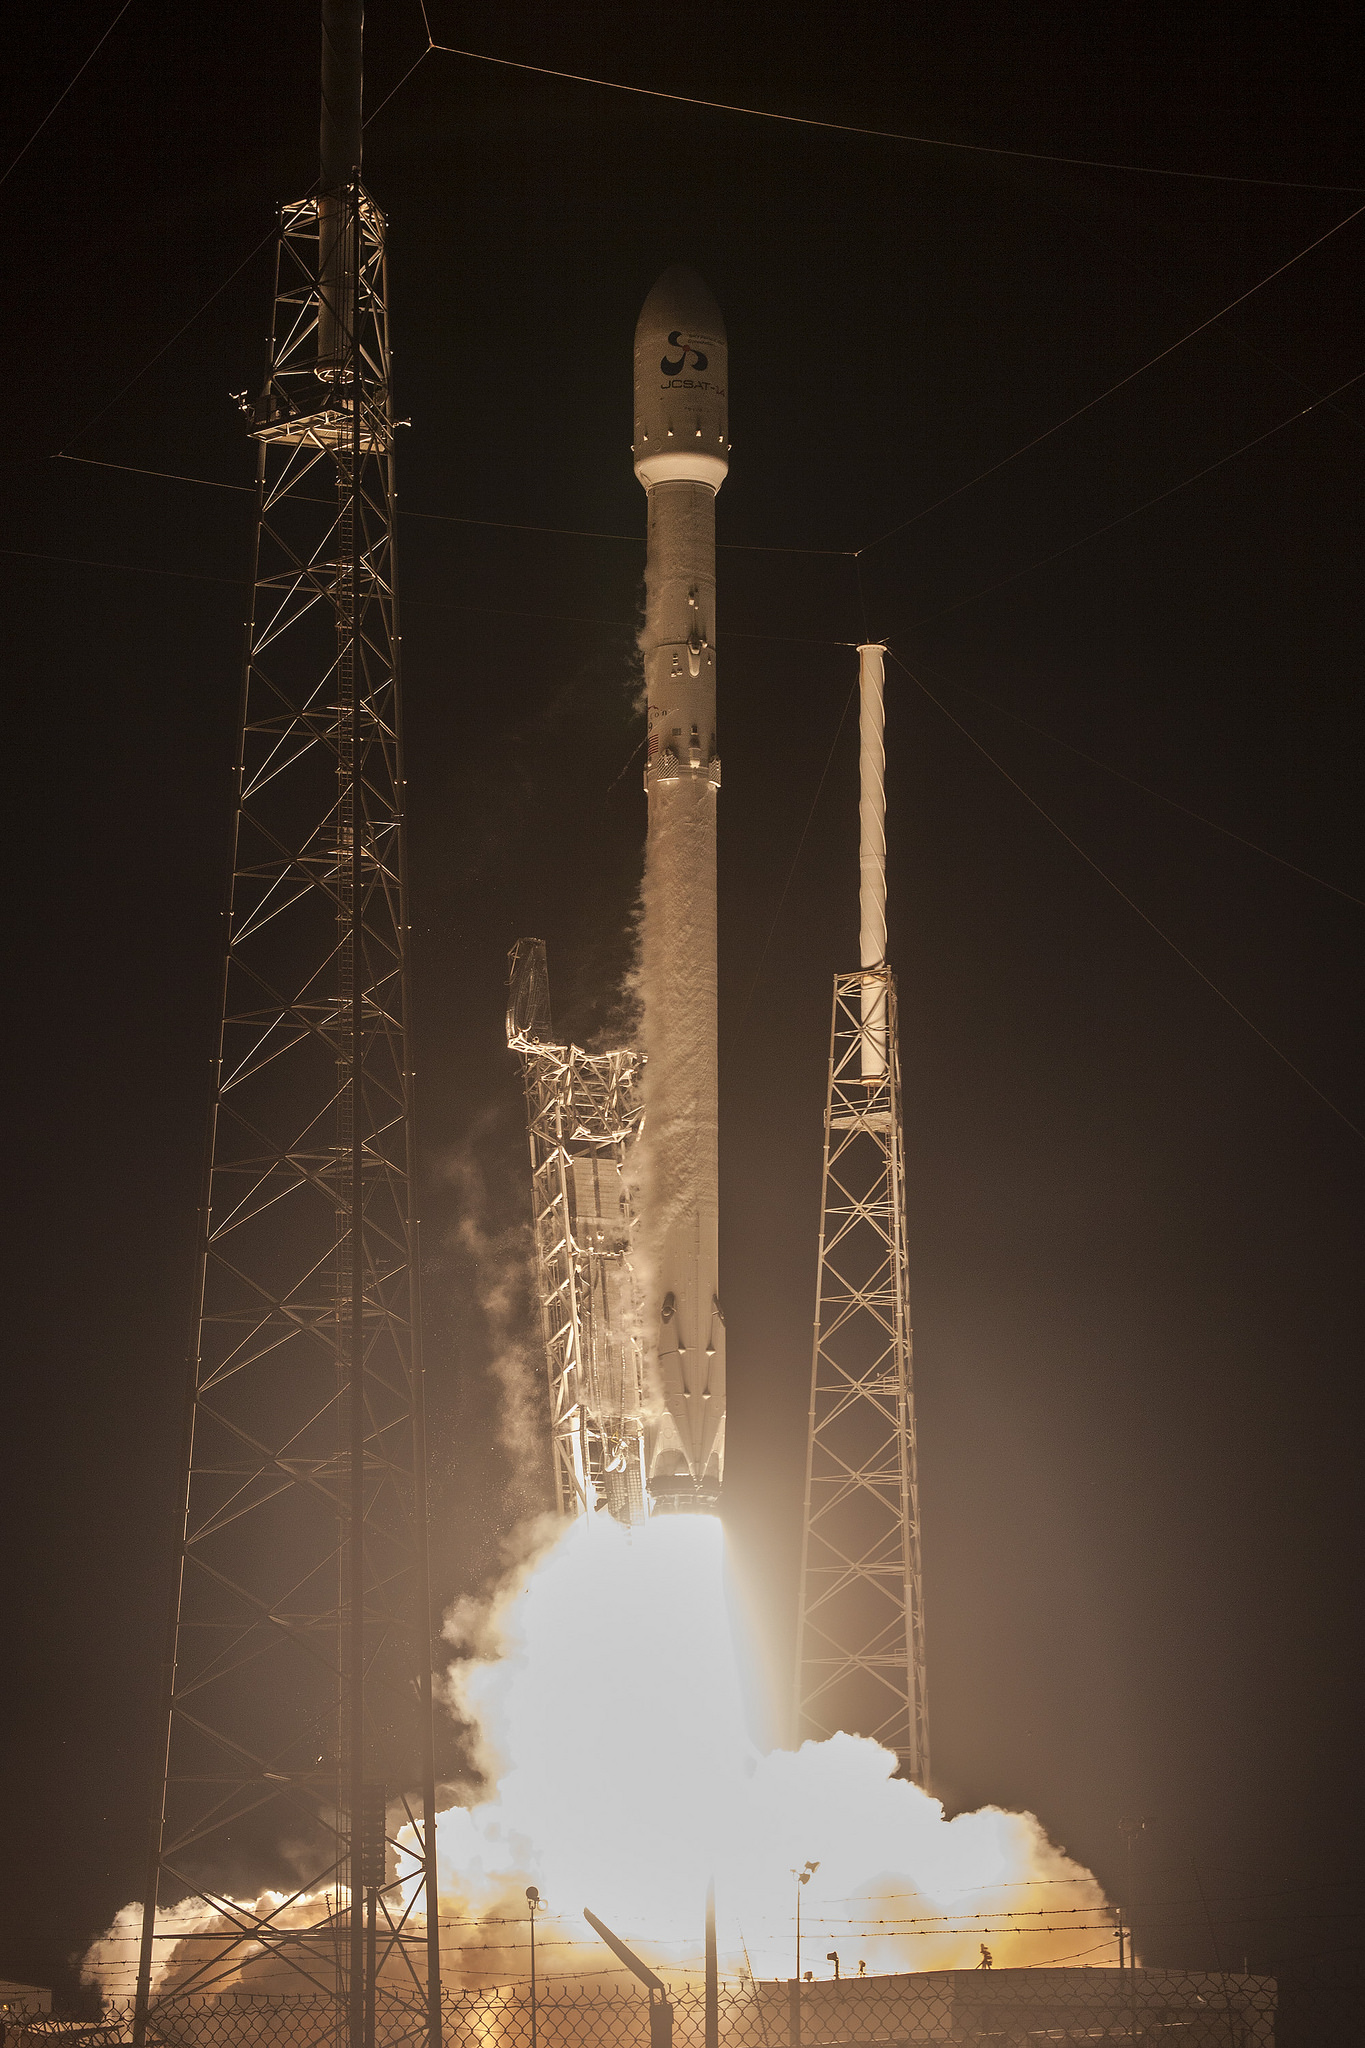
{"type": "Point", "coordinates": [607, 1704]}
{"type": "Point", "coordinates": [613, 1723]}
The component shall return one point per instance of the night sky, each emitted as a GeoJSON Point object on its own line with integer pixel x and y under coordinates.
{"type": "Point", "coordinates": [1135, 1231]}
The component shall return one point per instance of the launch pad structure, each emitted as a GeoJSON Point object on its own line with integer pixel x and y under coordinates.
{"type": "Point", "coordinates": [297, 1699]}
{"type": "Point", "coordinates": [583, 1116]}
{"type": "Point", "coordinates": [860, 1651]}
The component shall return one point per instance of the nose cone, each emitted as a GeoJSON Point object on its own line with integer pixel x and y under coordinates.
{"type": "Point", "coordinates": [681, 298]}
{"type": "Point", "coordinates": [681, 379]}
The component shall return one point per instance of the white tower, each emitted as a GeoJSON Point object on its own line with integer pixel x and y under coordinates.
{"type": "Point", "coordinates": [860, 1624]}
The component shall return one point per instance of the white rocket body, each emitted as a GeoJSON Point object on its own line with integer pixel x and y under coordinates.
{"type": "Point", "coordinates": [681, 450]}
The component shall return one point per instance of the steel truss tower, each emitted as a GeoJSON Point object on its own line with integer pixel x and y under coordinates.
{"type": "Point", "coordinates": [298, 1803]}
{"type": "Point", "coordinates": [583, 1115]}
{"type": "Point", "coordinates": [860, 1663]}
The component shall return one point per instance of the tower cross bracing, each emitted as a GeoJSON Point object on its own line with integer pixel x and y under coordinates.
{"type": "Point", "coordinates": [583, 1117]}
{"type": "Point", "coordinates": [860, 1650]}
{"type": "Point", "coordinates": [860, 1657]}
{"type": "Point", "coordinates": [297, 1809]}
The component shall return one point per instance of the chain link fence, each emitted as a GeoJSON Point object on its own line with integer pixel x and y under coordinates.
{"type": "Point", "coordinates": [999, 2007]}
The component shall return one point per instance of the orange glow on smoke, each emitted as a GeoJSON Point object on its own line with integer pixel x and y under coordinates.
{"type": "Point", "coordinates": [609, 1707]}
{"type": "Point", "coordinates": [605, 1695]}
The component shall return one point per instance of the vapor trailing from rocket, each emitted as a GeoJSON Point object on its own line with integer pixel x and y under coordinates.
{"type": "Point", "coordinates": [681, 449]}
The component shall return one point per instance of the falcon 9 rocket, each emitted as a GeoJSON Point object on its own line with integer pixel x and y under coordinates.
{"type": "Point", "coordinates": [681, 450]}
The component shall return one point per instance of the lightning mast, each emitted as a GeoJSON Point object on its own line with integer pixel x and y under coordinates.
{"type": "Point", "coordinates": [298, 1756]}
{"type": "Point", "coordinates": [860, 1663]}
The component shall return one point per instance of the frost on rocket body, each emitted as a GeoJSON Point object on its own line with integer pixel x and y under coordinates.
{"type": "Point", "coordinates": [681, 451]}
{"type": "Point", "coordinates": [678, 960]}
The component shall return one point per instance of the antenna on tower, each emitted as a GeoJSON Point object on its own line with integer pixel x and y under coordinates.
{"type": "Point", "coordinates": [860, 1663]}
{"type": "Point", "coordinates": [297, 1697]}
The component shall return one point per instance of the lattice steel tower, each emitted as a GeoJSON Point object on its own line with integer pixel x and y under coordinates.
{"type": "Point", "coordinates": [299, 1772]}
{"type": "Point", "coordinates": [860, 1622]}
{"type": "Point", "coordinates": [583, 1116]}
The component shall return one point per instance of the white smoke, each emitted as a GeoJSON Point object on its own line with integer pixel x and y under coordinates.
{"type": "Point", "coordinates": [609, 1706]}
{"type": "Point", "coordinates": [180, 1950]}
{"type": "Point", "coordinates": [603, 1691]}
{"type": "Point", "coordinates": [495, 1265]}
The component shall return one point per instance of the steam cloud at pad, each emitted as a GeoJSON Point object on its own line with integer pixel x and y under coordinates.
{"type": "Point", "coordinates": [604, 1693]}
{"type": "Point", "coordinates": [624, 1777]}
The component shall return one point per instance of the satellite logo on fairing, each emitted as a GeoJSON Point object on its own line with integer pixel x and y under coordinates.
{"type": "Point", "coordinates": [686, 349]}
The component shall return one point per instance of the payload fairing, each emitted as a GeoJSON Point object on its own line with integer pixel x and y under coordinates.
{"type": "Point", "coordinates": [681, 449]}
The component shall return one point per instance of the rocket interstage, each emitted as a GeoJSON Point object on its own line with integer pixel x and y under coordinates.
{"type": "Point", "coordinates": [681, 450]}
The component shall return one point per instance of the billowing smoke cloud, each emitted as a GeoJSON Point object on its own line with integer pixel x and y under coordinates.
{"type": "Point", "coordinates": [610, 1712]}
{"type": "Point", "coordinates": [493, 1266]}
{"type": "Point", "coordinates": [181, 1953]}
{"type": "Point", "coordinates": [600, 1690]}
{"type": "Point", "coordinates": [603, 1689]}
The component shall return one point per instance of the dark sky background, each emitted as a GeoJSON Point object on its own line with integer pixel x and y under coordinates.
{"type": "Point", "coordinates": [1135, 1232]}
